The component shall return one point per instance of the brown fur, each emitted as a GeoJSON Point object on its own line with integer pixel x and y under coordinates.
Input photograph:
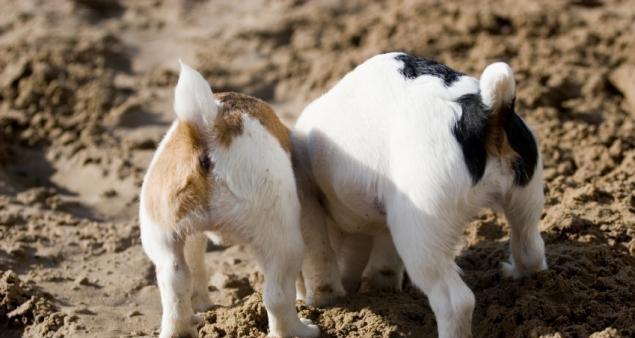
{"type": "Point", "coordinates": [497, 144]}
{"type": "Point", "coordinates": [496, 141]}
{"type": "Point", "coordinates": [177, 184]}
{"type": "Point", "coordinates": [229, 124]}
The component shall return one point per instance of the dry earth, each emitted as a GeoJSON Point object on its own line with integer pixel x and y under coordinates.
{"type": "Point", "coordinates": [85, 95]}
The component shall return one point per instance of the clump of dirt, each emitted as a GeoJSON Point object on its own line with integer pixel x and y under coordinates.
{"type": "Point", "coordinates": [23, 307]}
{"type": "Point", "coordinates": [247, 320]}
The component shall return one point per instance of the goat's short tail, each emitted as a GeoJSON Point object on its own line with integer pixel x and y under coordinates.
{"type": "Point", "coordinates": [193, 98]}
{"type": "Point", "coordinates": [507, 134]}
{"type": "Point", "coordinates": [498, 88]}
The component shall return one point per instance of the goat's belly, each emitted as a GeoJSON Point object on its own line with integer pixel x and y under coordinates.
{"type": "Point", "coordinates": [355, 212]}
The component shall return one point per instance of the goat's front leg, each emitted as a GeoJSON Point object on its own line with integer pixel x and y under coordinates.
{"type": "Point", "coordinates": [322, 281]}
{"type": "Point", "coordinates": [352, 251]}
{"type": "Point", "coordinates": [385, 269]}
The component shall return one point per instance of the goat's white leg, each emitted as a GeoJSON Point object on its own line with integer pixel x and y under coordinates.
{"type": "Point", "coordinates": [300, 290]}
{"type": "Point", "coordinates": [322, 279]}
{"type": "Point", "coordinates": [195, 247]}
{"type": "Point", "coordinates": [429, 259]}
{"type": "Point", "coordinates": [165, 249]}
{"type": "Point", "coordinates": [352, 251]}
{"type": "Point", "coordinates": [279, 300]}
{"type": "Point", "coordinates": [523, 211]}
{"type": "Point", "coordinates": [280, 258]}
{"type": "Point", "coordinates": [385, 269]}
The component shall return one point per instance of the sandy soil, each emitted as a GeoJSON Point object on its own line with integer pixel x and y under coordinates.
{"type": "Point", "coordinates": [85, 95]}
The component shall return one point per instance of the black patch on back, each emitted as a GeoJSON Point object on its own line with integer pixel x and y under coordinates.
{"type": "Point", "coordinates": [470, 131]}
{"type": "Point", "coordinates": [413, 67]}
{"type": "Point", "coordinates": [523, 143]}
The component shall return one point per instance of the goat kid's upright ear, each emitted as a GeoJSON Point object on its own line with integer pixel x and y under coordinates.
{"type": "Point", "coordinates": [193, 99]}
{"type": "Point", "coordinates": [497, 85]}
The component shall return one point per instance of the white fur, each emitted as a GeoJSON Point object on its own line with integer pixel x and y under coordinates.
{"type": "Point", "coordinates": [193, 100]}
{"type": "Point", "coordinates": [254, 201]}
{"type": "Point", "coordinates": [380, 148]}
{"type": "Point", "coordinates": [497, 84]}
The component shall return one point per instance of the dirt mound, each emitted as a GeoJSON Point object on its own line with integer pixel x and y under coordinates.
{"type": "Point", "coordinates": [23, 307]}
{"type": "Point", "coordinates": [586, 292]}
{"type": "Point", "coordinates": [57, 91]}
{"type": "Point", "coordinates": [62, 99]}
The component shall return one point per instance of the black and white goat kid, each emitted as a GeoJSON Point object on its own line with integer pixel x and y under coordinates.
{"type": "Point", "coordinates": [392, 163]}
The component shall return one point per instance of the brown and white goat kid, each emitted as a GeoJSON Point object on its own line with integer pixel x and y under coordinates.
{"type": "Point", "coordinates": [394, 160]}
{"type": "Point", "coordinates": [224, 166]}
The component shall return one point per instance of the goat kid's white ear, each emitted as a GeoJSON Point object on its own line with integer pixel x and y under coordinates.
{"type": "Point", "coordinates": [193, 98]}
{"type": "Point", "coordinates": [497, 85]}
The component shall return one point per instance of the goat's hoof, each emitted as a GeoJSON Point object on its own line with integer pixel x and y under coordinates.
{"type": "Point", "coordinates": [189, 333]}
{"type": "Point", "coordinates": [304, 329]}
{"type": "Point", "coordinates": [324, 295]}
{"type": "Point", "coordinates": [201, 303]}
{"type": "Point", "coordinates": [383, 280]}
{"type": "Point", "coordinates": [511, 270]}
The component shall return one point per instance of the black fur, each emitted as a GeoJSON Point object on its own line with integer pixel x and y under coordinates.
{"type": "Point", "coordinates": [205, 162]}
{"type": "Point", "coordinates": [470, 131]}
{"type": "Point", "coordinates": [523, 143]}
{"type": "Point", "coordinates": [413, 67]}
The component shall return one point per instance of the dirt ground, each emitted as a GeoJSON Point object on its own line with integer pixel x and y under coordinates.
{"type": "Point", "coordinates": [85, 95]}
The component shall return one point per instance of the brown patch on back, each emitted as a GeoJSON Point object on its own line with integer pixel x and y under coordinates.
{"type": "Point", "coordinates": [177, 184]}
{"type": "Point", "coordinates": [229, 123]}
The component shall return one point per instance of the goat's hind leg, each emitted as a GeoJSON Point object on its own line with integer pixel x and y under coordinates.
{"type": "Point", "coordinates": [427, 251]}
{"type": "Point", "coordinates": [523, 211]}
{"type": "Point", "coordinates": [195, 247]}
{"type": "Point", "coordinates": [165, 249]}
{"type": "Point", "coordinates": [280, 258]}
